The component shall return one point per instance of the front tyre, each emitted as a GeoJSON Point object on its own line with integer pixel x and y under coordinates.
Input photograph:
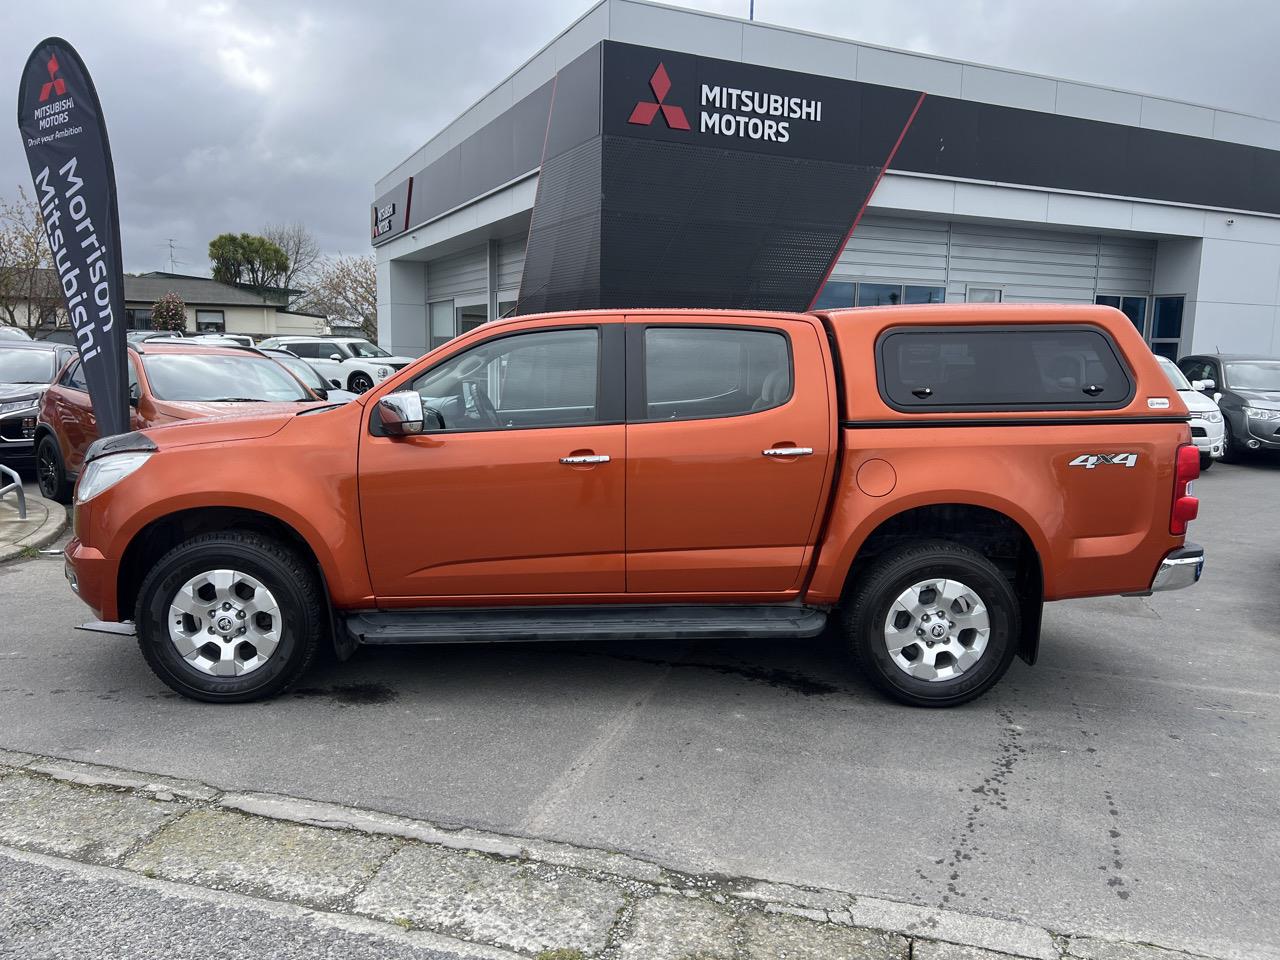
{"type": "Point", "coordinates": [230, 617]}
{"type": "Point", "coordinates": [360, 382]}
{"type": "Point", "coordinates": [51, 475]}
{"type": "Point", "coordinates": [933, 624]}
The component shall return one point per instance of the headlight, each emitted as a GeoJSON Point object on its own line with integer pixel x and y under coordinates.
{"type": "Point", "coordinates": [23, 403]}
{"type": "Point", "coordinates": [383, 371]}
{"type": "Point", "coordinates": [1258, 413]}
{"type": "Point", "coordinates": [1211, 416]}
{"type": "Point", "coordinates": [106, 472]}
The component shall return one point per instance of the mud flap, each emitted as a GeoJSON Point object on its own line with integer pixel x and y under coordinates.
{"type": "Point", "coordinates": [1029, 642]}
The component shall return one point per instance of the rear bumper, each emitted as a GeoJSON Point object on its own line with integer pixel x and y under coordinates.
{"type": "Point", "coordinates": [1180, 568]}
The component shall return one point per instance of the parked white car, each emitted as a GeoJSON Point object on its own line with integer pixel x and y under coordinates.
{"type": "Point", "coordinates": [349, 362]}
{"type": "Point", "coordinates": [221, 339]}
{"type": "Point", "coordinates": [1206, 418]}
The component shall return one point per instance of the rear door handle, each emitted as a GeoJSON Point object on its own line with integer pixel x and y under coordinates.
{"type": "Point", "coordinates": [586, 458]}
{"type": "Point", "coordinates": [788, 452]}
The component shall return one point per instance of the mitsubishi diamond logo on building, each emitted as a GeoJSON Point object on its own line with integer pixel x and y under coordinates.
{"type": "Point", "coordinates": [646, 111]}
{"type": "Point", "coordinates": [728, 110]}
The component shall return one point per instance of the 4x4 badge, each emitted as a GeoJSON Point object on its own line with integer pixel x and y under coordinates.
{"type": "Point", "coordinates": [1091, 460]}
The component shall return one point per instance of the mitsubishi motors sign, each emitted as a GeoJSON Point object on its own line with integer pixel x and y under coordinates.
{"type": "Point", "coordinates": [728, 111]}
{"type": "Point", "coordinates": [673, 96]}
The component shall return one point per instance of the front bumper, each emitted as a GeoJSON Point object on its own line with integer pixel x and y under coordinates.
{"type": "Point", "coordinates": [92, 578]}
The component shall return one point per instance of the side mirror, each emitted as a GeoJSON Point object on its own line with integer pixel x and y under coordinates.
{"type": "Point", "coordinates": [320, 392]}
{"type": "Point", "coordinates": [400, 414]}
{"type": "Point", "coordinates": [336, 356]}
{"type": "Point", "coordinates": [1217, 398]}
{"type": "Point", "coordinates": [336, 383]}
{"type": "Point", "coordinates": [135, 395]}
{"type": "Point", "coordinates": [1202, 385]}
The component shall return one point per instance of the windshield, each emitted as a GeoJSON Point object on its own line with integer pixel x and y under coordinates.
{"type": "Point", "coordinates": [26, 366]}
{"type": "Point", "coordinates": [210, 378]}
{"type": "Point", "coordinates": [1254, 375]}
{"type": "Point", "coordinates": [1174, 374]}
{"type": "Point", "coordinates": [363, 348]}
{"type": "Point", "coordinates": [302, 370]}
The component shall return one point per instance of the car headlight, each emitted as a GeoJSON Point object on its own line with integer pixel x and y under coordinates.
{"type": "Point", "coordinates": [107, 472]}
{"type": "Point", "coordinates": [1212, 416]}
{"type": "Point", "coordinates": [1260, 413]}
{"type": "Point", "coordinates": [22, 403]}
{"type": "Point", "coordinates": [383, 371]}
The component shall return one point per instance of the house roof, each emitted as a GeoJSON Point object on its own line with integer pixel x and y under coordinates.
{"type": "Point", "coordinates": [195, 291]}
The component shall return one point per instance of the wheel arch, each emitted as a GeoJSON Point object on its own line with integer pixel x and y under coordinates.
{"type": "Point", "coordinates": [162, 533]}
{"type": "Point", "coordinates": [995, 533]}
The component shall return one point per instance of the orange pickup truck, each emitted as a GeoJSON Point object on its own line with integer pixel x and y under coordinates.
{"type": "Point", "coordinates": [924, 478]}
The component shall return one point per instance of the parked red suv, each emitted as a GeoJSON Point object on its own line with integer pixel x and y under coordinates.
{"type": "Point", "coordinates": [168, 382]}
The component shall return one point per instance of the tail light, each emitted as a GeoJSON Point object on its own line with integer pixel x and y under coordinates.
{"type": "Point", "coordinates": [1185, 506]}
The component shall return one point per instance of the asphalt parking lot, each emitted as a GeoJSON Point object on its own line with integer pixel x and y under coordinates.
{"type": "Point", "coordinates": [1125, 786]}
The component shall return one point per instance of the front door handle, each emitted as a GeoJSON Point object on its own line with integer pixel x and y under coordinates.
{"type": "Point", "coordinates": [586, 458]}
{"type": "Point", "coordinates": [788, 452]}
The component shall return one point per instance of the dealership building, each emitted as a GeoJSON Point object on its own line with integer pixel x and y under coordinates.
{"type": "Point", "coordinates": [651, 156]}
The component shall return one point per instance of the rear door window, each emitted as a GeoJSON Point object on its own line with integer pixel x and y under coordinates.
{"type": "Point", "coordinates": [694, 373]}
{"type": "Point", "coordinates": [1012, 367]}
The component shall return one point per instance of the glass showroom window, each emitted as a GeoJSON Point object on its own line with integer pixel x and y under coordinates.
{"type": "Point", "coordinates": [984, 295]}
{"type": "Point", "coordinates": [1135, 308]}
{"type": "Point", "coordinates": [837, 294]}
{"type": "Point", "coordinates": [440, 322]}
{"type": "Point", "coordinates": [1166, 326]}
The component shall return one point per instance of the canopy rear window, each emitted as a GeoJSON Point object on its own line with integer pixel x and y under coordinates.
{"type": "Point", "coordinates": [1009, 367]}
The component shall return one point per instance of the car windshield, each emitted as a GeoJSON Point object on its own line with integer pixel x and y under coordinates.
{"type": "Point", "coordinates": [302, 370]}
{"type": "Point", "coordinates": [1254, 375]}
{"type": "Point", "coordinates": [1174, 374]}
{"type": "Point", "coordinates": [26, 366]}
{"type": "Point", "coordinates": [363, 348]}
{"type": "Point", "coordinates": [211, 378]}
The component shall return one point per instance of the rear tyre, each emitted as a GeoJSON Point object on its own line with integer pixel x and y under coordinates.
{"type": "Point", "coordinates": [51, 475]}
{"type": "Point", "coordinates": [360, 382]}
{"type": "Point", "coordinates": [933, 624]}
{"type": "Point", "coordinates": [230, 617]}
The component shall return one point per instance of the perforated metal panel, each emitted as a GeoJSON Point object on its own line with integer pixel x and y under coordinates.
{"type": "Point", "coordinates": [693, 226]}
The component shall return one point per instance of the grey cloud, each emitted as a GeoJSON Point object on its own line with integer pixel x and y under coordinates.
{"type": "Point", "coordinates": [228, 115]}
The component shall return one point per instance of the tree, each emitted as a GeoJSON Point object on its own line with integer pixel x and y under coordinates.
{"type": "Point", "coordinates": [249, 259]}
{"type": "Point", "coordinates": [169, 313]}
{"type": "Point", "coordinates": [345, 290]}
{"type": "Point", "coordinates": [29, 290]}
{"type": "Point", "coordinates": [299, 247]}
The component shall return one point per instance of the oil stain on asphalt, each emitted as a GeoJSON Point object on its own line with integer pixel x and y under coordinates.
{"type": "Point", "coordinates": [350, 694]}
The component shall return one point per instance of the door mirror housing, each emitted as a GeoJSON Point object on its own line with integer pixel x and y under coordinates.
{"type": "Point", "coordinates": [336, 356]}
{"type": "Point", "coordinates": [400, 414]}
{"type": "Point", "coordinates": [336, 384]}
{"type": "Point", "coordinates": [1203, 385]}
{"type": "Point", "coordinates": [135, 395]}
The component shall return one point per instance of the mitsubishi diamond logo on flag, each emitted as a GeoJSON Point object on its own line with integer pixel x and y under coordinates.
{"type": "Point", "coordinates": [646, 110]}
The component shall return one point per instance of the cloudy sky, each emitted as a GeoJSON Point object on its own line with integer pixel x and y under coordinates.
{"type": "Point", "coordinates": [225, 116]}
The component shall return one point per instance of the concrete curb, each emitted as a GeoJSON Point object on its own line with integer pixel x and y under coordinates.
{"type": "Point", "coordinates": [489, 892]}
{"type": "Point", "coordinates": [55, 522]}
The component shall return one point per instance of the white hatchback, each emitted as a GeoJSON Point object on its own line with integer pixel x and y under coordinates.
{"type": "Point", "coordinates": [1206, 418]}
{"type": "Point", "coordinates": [350, 363]}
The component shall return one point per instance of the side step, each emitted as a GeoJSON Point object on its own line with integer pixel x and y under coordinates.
{"type": "Point", "coordinates": [601, 622]}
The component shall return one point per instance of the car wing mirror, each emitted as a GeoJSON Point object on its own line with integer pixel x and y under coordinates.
{"type": "Point", "coordinates": [336, 356]}
{"type": "Point", "coordinates": [1217, 398]}
{"type": "Point", "coordinates": [336, 383]}
{"type": "Point", "coordinates": [401, 414]}
{"type": "Point", "coordinates": [135, 395]}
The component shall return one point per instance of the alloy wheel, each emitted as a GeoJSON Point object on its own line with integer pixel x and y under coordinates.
{"type": "Point", "coordinates": [937, 629]}
{"type": "Point", "coordinates": [224, 623]}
